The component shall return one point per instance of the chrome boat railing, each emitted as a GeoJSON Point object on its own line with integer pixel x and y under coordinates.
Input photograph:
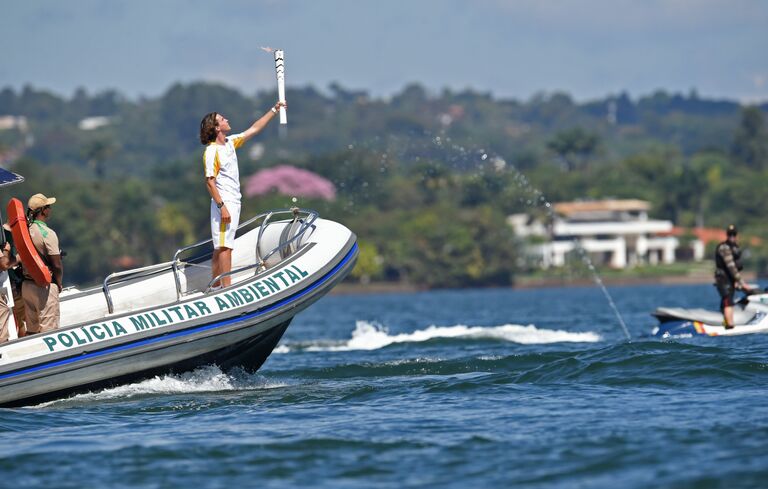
{"type": "Point", "coordinates": [302, 220]}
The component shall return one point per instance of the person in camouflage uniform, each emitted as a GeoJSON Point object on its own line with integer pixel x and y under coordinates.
{"type": "Point", "coordinates": [728, 273]}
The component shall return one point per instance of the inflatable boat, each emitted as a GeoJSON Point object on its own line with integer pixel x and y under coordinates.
{"type": "Point", "coordinates": [168, 318]}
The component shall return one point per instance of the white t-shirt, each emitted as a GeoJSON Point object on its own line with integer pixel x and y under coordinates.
{"type": "Point", "coordinates": [221, 162]}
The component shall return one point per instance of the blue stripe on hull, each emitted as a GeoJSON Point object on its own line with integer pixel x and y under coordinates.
{"type": "Point", "coordinates": [677, 328]}
{"type": "Point", "coordinates": [350, 255]}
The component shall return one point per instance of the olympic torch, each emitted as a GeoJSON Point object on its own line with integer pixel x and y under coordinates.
{"type": "Point", "coordinates": [280, 71]}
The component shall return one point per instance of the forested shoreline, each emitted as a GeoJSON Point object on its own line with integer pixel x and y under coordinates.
{"type": "Point", "coordinates": [426, 179]}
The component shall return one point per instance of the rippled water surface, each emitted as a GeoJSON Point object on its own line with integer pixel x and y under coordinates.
{"type": "Point", "coordinates": [462, 388]}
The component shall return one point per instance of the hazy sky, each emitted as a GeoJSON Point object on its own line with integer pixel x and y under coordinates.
{"type": "Point", "coordinates": [589, 48]}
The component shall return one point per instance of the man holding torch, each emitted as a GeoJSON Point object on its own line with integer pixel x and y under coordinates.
{"type": "Point", "coordinates": [223, 183]}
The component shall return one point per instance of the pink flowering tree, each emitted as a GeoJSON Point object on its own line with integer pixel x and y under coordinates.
{"type": "Point", "coordinates": [291, 181]}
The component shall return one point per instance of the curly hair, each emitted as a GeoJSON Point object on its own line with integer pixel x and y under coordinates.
{"type": "Point", "coordinates": [208, 128]}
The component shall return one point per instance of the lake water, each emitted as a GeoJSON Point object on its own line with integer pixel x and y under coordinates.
{"type": "Point", "coordinates": [460, 388]}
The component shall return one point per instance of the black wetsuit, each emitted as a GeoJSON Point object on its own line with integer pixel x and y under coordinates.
{"type": "Point", "coordinates": [727, 268]}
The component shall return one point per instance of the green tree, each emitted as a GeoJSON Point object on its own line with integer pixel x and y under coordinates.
{"type": "Point", "coordinates": [709, 167]}
{"type": "Point", "coordinates": [96, 154]}
{"type": "Point", "coordinates": [440, 247]}
{"type": "Point", "coordinates": [574, 147]}
{"type": "Point", "coordinates": [369, 263]}
{"type": "Point", "coordinates": [750, 143]}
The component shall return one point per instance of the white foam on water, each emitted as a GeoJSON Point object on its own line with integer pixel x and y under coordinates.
{"type": "Point", "coordinates": [204, 379]}
{"type": "Point", "coordinates": [413, 361]}
{"type": "Point", "coordinates": [369, 336]}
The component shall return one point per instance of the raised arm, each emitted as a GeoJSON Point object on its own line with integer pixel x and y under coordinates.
{"type": "Point", "coordinates": [262, 122]}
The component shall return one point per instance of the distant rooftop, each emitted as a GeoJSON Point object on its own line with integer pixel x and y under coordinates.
{"type": "Point", "coordinates": [589, 206]}
{"type": "Point", "coordinates": [13, 122]}
{"type": "Point", "coordinates": [95, 122]}
{"type": "Point", "coordinates": [707, 235]}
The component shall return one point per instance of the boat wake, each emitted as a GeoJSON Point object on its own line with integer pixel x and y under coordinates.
{"type": "Point", "coordinates": [203, 379]}
{"type": "Point", "coordinates": [371, 336]}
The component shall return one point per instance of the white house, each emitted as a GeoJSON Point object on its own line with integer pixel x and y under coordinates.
{"type": "Point", "coordinates": [95, 122]}
{"type": "Point", "coordinates": [617, 233]}
{"type": "Point", "coordinates": [13, 122]}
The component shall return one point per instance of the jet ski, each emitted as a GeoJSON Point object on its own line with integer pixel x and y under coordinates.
{"type": "Point", "coordinates": [750, 315]}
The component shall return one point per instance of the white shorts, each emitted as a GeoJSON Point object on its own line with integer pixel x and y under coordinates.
{"type": "Point", "coordinates": [224, 234]}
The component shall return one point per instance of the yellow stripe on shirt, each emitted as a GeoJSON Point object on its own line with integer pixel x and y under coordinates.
{"type": "Point", "coordinates": [216, 163]}
{"type": "Point", "coordinates": [222, 231]}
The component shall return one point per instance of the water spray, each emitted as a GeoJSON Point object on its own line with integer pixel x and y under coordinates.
{"type": "Point", "coordinates": [499, 164]}
{"type": "Point", "coordinates": [541, 201]}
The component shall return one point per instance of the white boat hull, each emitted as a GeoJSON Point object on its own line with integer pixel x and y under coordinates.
{"type": "Point", "coordinates": [235, 327]}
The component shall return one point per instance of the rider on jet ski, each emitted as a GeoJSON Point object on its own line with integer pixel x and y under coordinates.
{"type": "Point", "coordinates": [727, 273]}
